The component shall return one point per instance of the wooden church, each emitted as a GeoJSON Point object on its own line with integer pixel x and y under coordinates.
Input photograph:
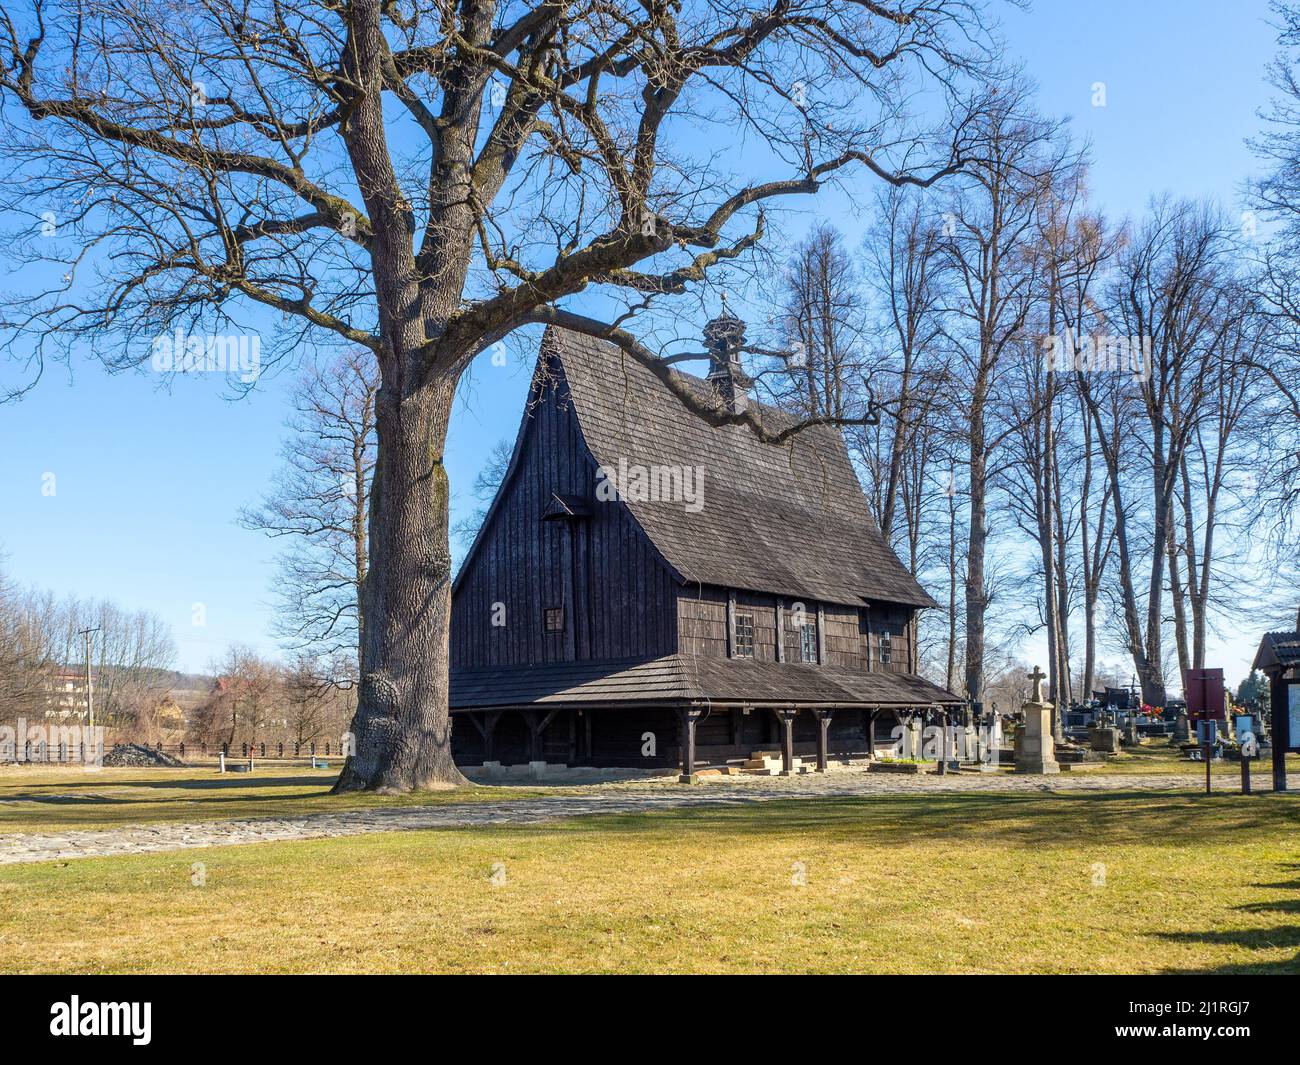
{"type": "Point", "coordinates": [648, 590]}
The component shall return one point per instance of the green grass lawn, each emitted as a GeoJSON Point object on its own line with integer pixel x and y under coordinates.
{"type": "Point", "coordinates": [1157, 756]}
{"type": "Point", "coordinates": [52, 799]}
{"type": "Point", "coordinates": [1084, 882]}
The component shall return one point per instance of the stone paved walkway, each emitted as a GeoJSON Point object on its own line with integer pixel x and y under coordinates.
{"type": "Point", "coordinates": [633, 798]}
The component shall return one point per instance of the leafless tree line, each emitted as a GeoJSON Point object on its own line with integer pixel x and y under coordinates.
{"type": "Point", "coordinates": [1087, 428]}
{"type": "Point", "coordinates": [254, 699]}
{"type": "Point", "coordinates": [43, 660]}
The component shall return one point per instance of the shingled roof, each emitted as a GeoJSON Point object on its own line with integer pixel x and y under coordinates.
{"type": "Point", "coordinates": [676, 680]}
{"type": "Point", "coordinates": [788, 519]}
{"type": "Point", "coordinates": [1278, 650]}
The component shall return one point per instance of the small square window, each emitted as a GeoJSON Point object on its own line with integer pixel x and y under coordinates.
{"type": "Point", "coordinates": [744, 636]}
{"type": "Point", "coordinates": [808, 642]}
{"type": "Point", "coordinates": [886, 648]}
{"type": "Point", "coordinates": [553, 619]}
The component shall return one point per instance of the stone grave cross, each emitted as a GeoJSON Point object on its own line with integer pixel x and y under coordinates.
{"type": "Point", "coordinates": [1037, 677]}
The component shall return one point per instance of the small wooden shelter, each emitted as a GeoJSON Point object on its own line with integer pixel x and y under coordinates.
{"type": "Point", "coordinates": [1278, 658]}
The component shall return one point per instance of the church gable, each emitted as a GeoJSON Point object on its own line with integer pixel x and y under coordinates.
{"type": "Point", "coordinates": [555, 574]}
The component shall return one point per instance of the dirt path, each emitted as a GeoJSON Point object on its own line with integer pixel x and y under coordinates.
{"type": "Point", "coordinates": [141, 839]}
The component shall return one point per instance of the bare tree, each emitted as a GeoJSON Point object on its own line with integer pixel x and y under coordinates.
{"type": "Point", "coordinates": [820, 325]}
{"type": "Point", "coordinates": [1276, 490]}
{"type": "Point", "coordinates": [319, 506]}
{"type": "Point", "coordinates": [990, 228]}
{"type": "Point", "coordinates": [41, 649]}
{"type": "Point", "coordinates": [1170, 296]}
{"type": "Point", "coordinates": [240, 704]}
{"type": "Point", "coordinates": [484, 490]}
{"type": "Point", "coordinates": [310, 700]}
{"type": "Point", "coordinates": [905, 272]}
{"type": "Point", "coordinates": [233, 153]}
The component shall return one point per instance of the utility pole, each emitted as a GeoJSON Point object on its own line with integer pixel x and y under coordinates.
{"type": "Point", "coordinates": [90, 700]}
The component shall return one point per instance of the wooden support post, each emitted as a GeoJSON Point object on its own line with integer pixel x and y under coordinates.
{"type": "Point", "coordinates": [823, 728]}
{"type": "Point", "coordinates": [1208, 726]}
{"type": "Point", "coordinates": [486, 723]}
{"type": "Point", "coordinates": [1281, 728]}
{"type": "Point", "coordinates": [538, 727]}
{"type": "Point", "coordinates": [786, 717]}
{"type": "Point", "coordinates": [688, 719]}
{"type": "Point", "coordinates": [943, 743]}
{"type": "Point", "coordinates": [530, 722]}
{"type": "Point", "coordinates": [535, 729]}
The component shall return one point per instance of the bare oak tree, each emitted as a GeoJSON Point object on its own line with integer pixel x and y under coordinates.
{"type": "Point", "coordinates": [421, 178]}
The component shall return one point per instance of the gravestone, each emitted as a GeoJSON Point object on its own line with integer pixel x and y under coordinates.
{"type": "Point", "coordinates": [1182, 728]}
{"type": "Point", "coordinates": [1035, 750]}
{"type": "Point", "coordinates": [1104, 738]}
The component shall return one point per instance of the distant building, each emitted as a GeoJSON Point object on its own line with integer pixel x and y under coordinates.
{"type": "Point", "coordinates": [65, 694]}
{"type": "Point", "coordinates": [646, 582]}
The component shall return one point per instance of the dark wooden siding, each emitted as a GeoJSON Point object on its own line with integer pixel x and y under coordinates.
{"type": "Point", "coordinates": [850, 635]}
{"type": "Point", "coordinates": [897, 621]}
{"type": "Point", "coordinates": [843, 637]}
{"type": "Point", "coordinates": [702, 621]}
{"type": "Point", "coordinates": [617, 594]}
{"type": "Point", "coordinates": [763, 610]}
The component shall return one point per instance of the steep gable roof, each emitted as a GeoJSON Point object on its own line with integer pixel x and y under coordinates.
{"type": "Point", "coordinates": [788, 519]}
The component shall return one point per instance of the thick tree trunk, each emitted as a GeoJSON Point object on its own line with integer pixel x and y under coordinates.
{"type": "Point", "coordinates": [952, 593]}
{"type": "Point", "coordinates": [976, 600]}
{"type": "Point", "coordinates": [1179, 600]}
{"type": "Point", "coordinates": [402, 728]}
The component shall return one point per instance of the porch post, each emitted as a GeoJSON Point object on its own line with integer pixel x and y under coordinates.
{"type": "Point", "coordinates": [536, 727]}
{"type": "Point", "coordinates": [786, 717]}
{"type": "Point", "coordinates": [489, 726]}
{"type": "Point", "coordinates": [534, 735]}
{"type": "Point", "coordinates": [823, 726]}
{"type": "Point", "coordinates": [871, 731]}
{"type": "Point", "coordinates": [1282, 739]}
{"type": "Point", "coordinates": [686, 734]}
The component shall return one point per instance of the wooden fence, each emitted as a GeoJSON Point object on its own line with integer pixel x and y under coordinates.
{"type": "Point", "coordinates": [74, 753]}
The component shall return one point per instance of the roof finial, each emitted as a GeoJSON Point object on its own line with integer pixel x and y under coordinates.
{"type": "Point", "coordinates": [724, 337]}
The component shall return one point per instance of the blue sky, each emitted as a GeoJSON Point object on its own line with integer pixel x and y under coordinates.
{"type": "Point", "coordinates": [148, 482]}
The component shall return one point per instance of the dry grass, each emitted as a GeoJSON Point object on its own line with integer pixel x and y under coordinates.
{"type": "Point", "coordinates": [1156, 756]}
{"type": "Point", "coordinates": [917, 883]}
{"type": "Point", "coordinates": [51, 798]}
